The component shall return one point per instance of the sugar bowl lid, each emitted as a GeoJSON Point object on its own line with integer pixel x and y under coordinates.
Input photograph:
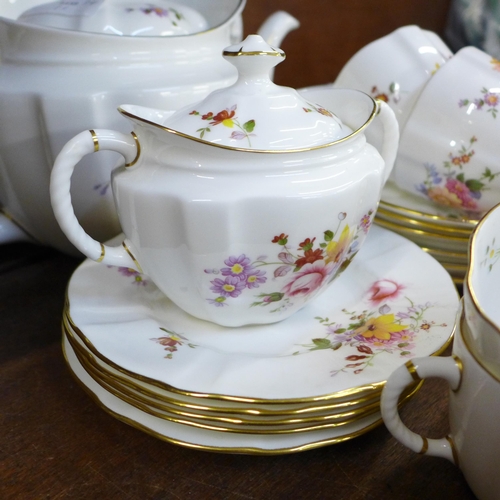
{"type": "Point", "coordinates": [118, 17]}
{"type": "Point", "coordinates": [254, 113]}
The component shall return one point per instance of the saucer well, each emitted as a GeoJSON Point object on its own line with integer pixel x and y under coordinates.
{"type": "Point", "coordinates": [394, 302]}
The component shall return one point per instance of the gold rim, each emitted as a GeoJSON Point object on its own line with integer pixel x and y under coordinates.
{"type": "Point", "coordinates": [423, 225]}
{"type": "Point", "coordinates": [427, 216]}
{"type": "Point", "coordinates": [444, 254]}
{"type": "Point", "coordinates": [135, 388]}
{"type": "Point", "coordinates": [464, 328]}
{"type": "Point", "coordinates": [241, 52]}
{"type": "Point", "coordinates": [222, 397]}
{"type": "Point", "coordinates": [419, 232]}
{"type": "Point", "coordinates": [233, 450]}
{"type": "Point", "coordinates": [116, 388]}
{"type": "Point", "coordinates": [470, 272]}
{"type": "Point", "coordinates": [248, 150]}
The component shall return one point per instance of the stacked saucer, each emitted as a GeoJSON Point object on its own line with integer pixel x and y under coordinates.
{"type": "Point", "coordinates": [308, 381]}
{"type": "Point", "coordinates": [438, 230]}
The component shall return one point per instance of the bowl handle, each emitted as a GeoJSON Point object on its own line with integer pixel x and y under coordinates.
{"type": "Point", "coordinates": [448, 368]}
{"type": "Point", "coordinates": [391, 136]}
{"type": "Point", "coordinates": [75, 149]}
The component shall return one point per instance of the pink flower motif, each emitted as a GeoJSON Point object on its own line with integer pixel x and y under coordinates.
{"type": "Point", "coordinates": [384, 289]}
{"type": "Point", "coordinates": [309, 279]}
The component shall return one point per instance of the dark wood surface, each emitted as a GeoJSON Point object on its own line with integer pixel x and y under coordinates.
{"type": "Point", "coordinates": [55, 443]}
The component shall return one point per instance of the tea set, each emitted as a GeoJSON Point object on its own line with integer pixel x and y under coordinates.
{"type": "Point", "coordinates": [245, 289]}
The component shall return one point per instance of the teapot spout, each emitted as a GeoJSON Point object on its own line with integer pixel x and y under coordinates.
{"type": "Point", "coordinates": [277, 26]}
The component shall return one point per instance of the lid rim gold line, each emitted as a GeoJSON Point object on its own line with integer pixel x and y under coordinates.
{"type": "Point", "coordinates": [353, 135]}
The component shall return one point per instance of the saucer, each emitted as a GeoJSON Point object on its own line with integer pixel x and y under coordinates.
{"type": "Point", "coordinates": [394, 302]}
{"type": "Point", "coordinates": [396, 200]}
{"type": "Point", "coordinates": [209, 440]}
{"type": "Point", "coordinates": [221, 420]}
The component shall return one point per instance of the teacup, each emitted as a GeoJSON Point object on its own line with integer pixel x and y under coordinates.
{"type": "Point", "coordinates": [474, 406]}
{"type": "Point", "coordinates": [396, 67]}
{"type": "Point", "coordinates": [450, 148]}
{"type": "Point", "coordinates": [482, 290]}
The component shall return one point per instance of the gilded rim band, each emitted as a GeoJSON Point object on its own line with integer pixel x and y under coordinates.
{"type": "Point", "coordinates": [138, 145]}
{"type": "Point", "coordinates": [103, 253]}
{"type": "Point", "coordinates": [95, 140]}
{"type": "Point", "coordinates": [253, 53]}
{"type": "Point", "coordinates": [131, 255]}
{"type": "Point", "coordinates": [425, 446]}
{"type": "Point", "coordinates": [412, 370]}
{"type": "Point", "coordinates": [453, 450]}
{"type": "Point", "coordinates": [221, 449]}
{"type": "Point", "coordinates": [460, 367]}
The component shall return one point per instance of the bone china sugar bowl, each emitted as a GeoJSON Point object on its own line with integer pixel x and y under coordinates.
{"type": "Point", "coordinates": [244, 206]}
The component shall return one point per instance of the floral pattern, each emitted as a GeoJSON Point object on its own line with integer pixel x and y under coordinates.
{"type": "Point", "coordinates": [392, 94]}
{"type": "Point", "coordinates": [318, 109]}
{"type": "Point", "coordinates": [172, 341]}
{"type": "Point", "coordinates": [227, 117]}
{"type": "Point", "coordinates": [492, 256]}
{"type": "Point", "coordinates": [172, 13]}
{"type": "Point", "coordinates": [488, 100]}
{"type": "Point", "coordinates": [303, 271]}
{"type": "Point", "coordinates": [452, 188]}
{"type": "Point", "coordinates": [375, 329]}
{"type": "Point", "coordinates": [138, 278]}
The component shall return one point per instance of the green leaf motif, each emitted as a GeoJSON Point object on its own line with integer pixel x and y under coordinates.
{"type": "Point", "coordinates": [322, 343]}
{"type": "Point", "coordinates": [474, 185]}
{"type": "Point", "coordinates": [249, 126]}
{"type": "Point", "coordinates": [328, 235]}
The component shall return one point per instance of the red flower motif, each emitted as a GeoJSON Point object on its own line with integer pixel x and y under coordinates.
{"type": "Point", "coordinates": [222, 115]}
{"type": "Point", "coordinates": [384, 289]}
{"type": "Point", "coordinates": [364, 348]}
{"type": "Point", "coordinates": [279, 238]}
{"type": "Point", "coordinates": [310, 256]}
{"type": "Point", "coordinates": [208, 116]}
{"type": "Point", "coordinates": [307, 243]}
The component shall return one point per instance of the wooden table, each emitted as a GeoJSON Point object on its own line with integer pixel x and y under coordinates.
{"type": "Point", "coordinates": [55, 443]}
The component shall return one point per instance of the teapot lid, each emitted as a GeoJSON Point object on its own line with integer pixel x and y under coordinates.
{"type": "Point", "coordinates": [254, 113]}
{"type": "Point", "coordinates": [118, 17]}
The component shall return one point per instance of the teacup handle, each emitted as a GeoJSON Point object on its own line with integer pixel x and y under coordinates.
{"type": "Point", "coordinates": [448, 368]}
{"type": "Point", "coordinates": [391, 136]}
{"type": "Point", "coordinates": [75, 149]}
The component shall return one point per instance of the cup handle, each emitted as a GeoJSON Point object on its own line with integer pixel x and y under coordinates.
{"type": "Point", "coordinates": [75, 149]}
{"type": "Point", "coordinates": [448, 368]}
{"type": "Point", "coordinates": [391, 136]}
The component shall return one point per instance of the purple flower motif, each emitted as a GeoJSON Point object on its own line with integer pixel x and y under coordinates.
{"type": "Point", "coordinates": [138, 277]}
{"type": "Point", "coordinates": [255, 278]}
{"type": "Point", "coordinates": [232, 286]}
{"type": "Point", "coordinates": [238, 266]}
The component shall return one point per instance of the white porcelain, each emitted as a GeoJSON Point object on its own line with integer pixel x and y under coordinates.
{"type": "Point", "coordinates": [474, 440]}
{"type": "Point", "coordinates": [481, 291]}
{"type": "Point", "coordinates": [396, 67]}
{"type": "Point", "coordinates": [212, 440]}
{"type": "Point", "coordinates": [118, 17]}
{"type": "Point", "coordinates": [57, 82]}
{"type": "Point", "coordinates": [401, 202]}
{"type": "Point", "coordinates": [449, 148]}
{"type": "Point", "coordinates": [230, 232]}
{"type": "Point", "coordinates": [393, 303]}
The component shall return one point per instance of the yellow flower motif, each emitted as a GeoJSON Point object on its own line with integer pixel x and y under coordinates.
{"type": "Point", "coordinates": [336, 250]}
{"type": "Point", "coordinates": [228, 123]}
{"type": "Point", "coordinates": [380, 327]}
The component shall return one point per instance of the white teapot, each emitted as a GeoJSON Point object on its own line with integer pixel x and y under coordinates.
{"type": "Point", "coordinates": [56, 81]}
{"type": "Point", "coordinates": [244, 206]}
